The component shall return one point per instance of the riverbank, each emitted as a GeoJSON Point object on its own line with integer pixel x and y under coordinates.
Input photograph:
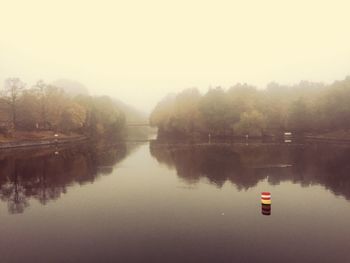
{"type": "Point", "coordinates": [336, 136]}
{"type": "Point", "coordinates": [340, 136]}
{"type": "Point", "coordinates": [30, 139]}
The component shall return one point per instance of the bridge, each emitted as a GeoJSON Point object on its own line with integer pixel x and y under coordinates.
{"type": "Point", "coordinates": [138, 124]}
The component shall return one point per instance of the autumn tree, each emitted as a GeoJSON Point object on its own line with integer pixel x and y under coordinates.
{"type": "Point", "coordinates": [161, 116]}
{"type": "Point", "coordinates": [102, 117]}
{"type": "Point", "coordinates": [72, 118]}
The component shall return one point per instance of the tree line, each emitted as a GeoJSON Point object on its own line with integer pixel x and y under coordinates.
{"type": "Point", "coordinates": [45, 107]}
{"type": "Point", "coordinates": [306, 107]}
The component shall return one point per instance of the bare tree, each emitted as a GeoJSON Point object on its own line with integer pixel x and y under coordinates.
{"type": "Point", "coordinates": [10, 95]}
{"type": "Point", "coordinates": [41, 88]}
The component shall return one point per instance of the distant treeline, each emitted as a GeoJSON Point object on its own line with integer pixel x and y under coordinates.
{"type": "Point", "coordinates": [243, 109]}
{"type": "Point", "coordinates": [46, 107]}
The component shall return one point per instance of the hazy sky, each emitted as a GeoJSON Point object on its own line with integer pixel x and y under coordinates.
{"type": "Point", "coordinates": [138, 51]}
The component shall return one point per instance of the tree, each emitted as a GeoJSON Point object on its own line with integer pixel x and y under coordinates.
{"type": "Point", "coordinates": [214, 108]}
{"type": "Point", "coordinates": [56, 102]}
{"type": "Point", "coordinates": [252, 123]}
{"type": "Point", "coordinates": [299, 116]}
{"type": "Point", "coordinates": [334, 107]}
{"type": "Point", "coordinates": [73, 117]}
{"type": "Point", "coordinates": [42, 90]}
{"type": "Point", "coordinates": [185, 116]}
{"type": "Point", "coordinates": [10, 95]}
{"type": "Point", "coordinates": [162, 114]}
{"type": "Point", "coordinates": [28, 110]}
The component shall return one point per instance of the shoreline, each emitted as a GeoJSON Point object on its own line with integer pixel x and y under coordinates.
{"type": "Point", "coordinates": [307, 139]}
{"type": "Point", "coordinates": [45, 142]}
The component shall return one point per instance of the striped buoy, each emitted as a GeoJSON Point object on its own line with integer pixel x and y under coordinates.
{"type": "Point", "coordinates": [266, 198]}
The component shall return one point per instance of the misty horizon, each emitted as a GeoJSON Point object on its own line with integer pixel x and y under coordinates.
{"type": "Point", "coordinates": [76, 87]}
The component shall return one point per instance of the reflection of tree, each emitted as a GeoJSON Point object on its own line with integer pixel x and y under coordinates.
{"type": "Point", "coordinates": [216, 163]}
{"type": "Point", "coordinates": [245, 166]}
{"type": "Point", "coordinates": [44, 175]}
{"type": "Point", "coordinates": [13, 192]}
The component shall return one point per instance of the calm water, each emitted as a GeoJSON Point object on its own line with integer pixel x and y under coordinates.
{"type": "Point", "coordinates": [175, 203]}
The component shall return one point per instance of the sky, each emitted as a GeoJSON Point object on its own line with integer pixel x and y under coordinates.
{"type": "Point", "coordinates": [139, 51]}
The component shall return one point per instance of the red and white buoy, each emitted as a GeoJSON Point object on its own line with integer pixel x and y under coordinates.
{"type": "Point", "coordinates": [266, 198]}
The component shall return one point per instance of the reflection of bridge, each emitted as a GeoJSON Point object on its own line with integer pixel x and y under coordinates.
{"type": "Point", "coordinates": [138, 124]}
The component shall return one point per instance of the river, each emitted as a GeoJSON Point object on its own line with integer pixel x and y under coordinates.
{"type": "Point", "coordinates": [162, 202]}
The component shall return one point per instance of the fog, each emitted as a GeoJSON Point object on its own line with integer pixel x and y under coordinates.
{"type": "Point", "coordinates": [138, 51]}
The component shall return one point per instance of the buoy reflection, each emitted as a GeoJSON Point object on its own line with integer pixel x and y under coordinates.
{"type": "Point", "coordinates": [266, 209]}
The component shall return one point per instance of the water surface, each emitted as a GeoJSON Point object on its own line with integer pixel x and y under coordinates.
{"type": "Point", "coordinates": [162, 202]}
